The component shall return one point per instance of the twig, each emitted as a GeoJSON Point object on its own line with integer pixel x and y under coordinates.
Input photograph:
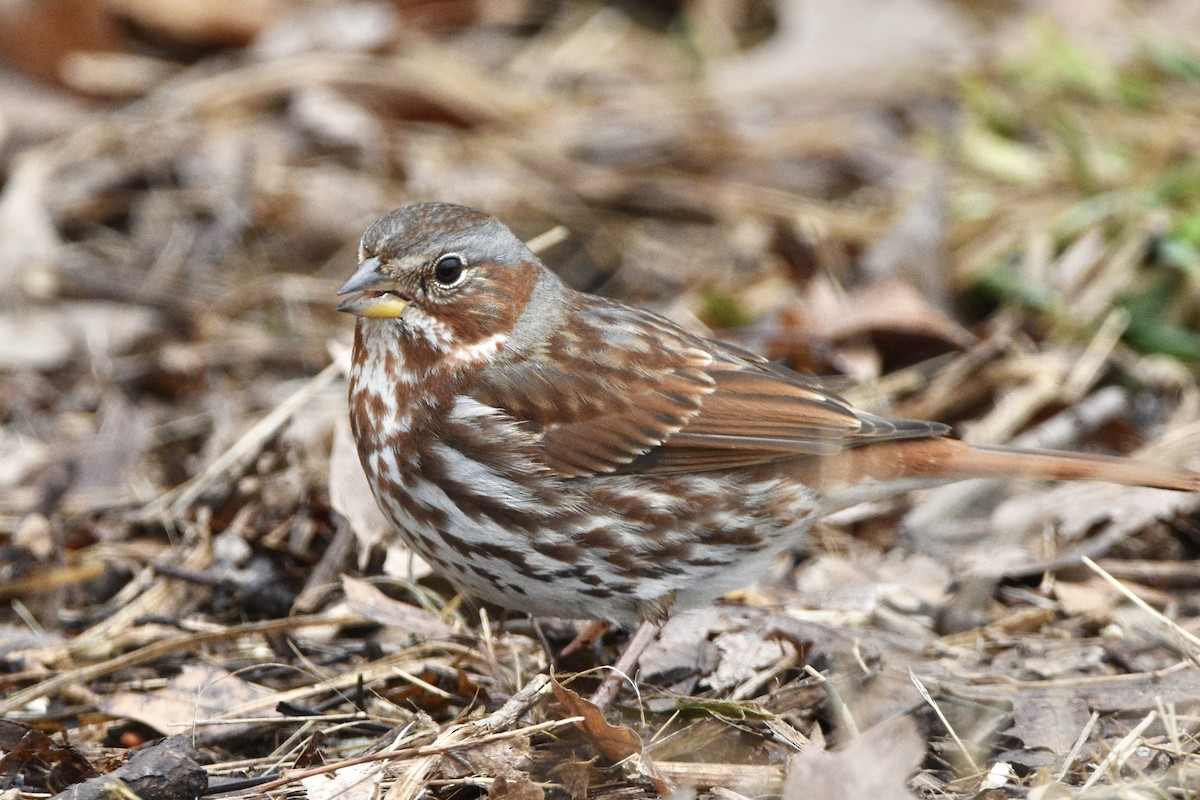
{"type": "Point", "coordinates": [1077, 748]}
{"type": "Point", "coordinates": [840, 709]}
{"type": "Point", "coordinates": [457, 736]}
{"type": "Point", "coordinates": [1094, 357]}
{"type": "Point", "coordinates": [435, 749]}
{"type": "Point", "coordinates": [75, 677]}
{"type": "Point", "coordinates": [938, 710]}
{"type": "Point", "coordinates": [547, 239]}
{"type": "Point", "coordinates": [1171, 624]}
{"type": "Point", "coordinates": [413, 781]}
{"type": "Point", "coordinates": [626, 663]}
{"type": "Point", "coordinates": [1119, 752]}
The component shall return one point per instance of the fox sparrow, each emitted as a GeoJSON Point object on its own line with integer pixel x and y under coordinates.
{"type": "Point", "coordinates": [571, 456]}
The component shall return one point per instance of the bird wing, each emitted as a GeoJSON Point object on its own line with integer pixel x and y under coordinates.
{"type": "Point", "coordinates": [622, 390]}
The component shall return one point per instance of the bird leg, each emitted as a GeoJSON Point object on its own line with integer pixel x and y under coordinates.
{"type": "Point", "coordinates": [626, 662]}
{"type": "Point", "coordinates": [588, 636]}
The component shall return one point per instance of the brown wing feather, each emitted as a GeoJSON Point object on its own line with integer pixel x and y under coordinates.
{"type": "Point", "coordinates": [608, 390]}
{"type": "Point", "coordinates": [761, 412]}
{"type": "Point", "coordinates": [628, 391]}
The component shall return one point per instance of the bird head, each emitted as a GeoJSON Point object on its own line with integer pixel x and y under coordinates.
{"type": "Point", "coordinates": [442, 276]}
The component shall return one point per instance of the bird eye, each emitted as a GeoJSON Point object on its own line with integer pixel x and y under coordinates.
{"type": "Point", "coordinates": [448, 270]}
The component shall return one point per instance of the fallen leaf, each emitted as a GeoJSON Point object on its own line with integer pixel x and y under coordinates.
{"type": "Point", "coordinates": [40, 759]}
{"type": "Point", "coordinates": [199, 692]}
{"type": "Point", "coordinates": [681, 648]}
{"type": "Point", "coordinates": [354, 782]}
{"type": "Point", "coordinates": [875, 765]}
{"type": "Point", "coordinates": [1079, 511]}
{"type": "Point", "coordinates": [615, 742]}
{"type": "Point", "coordinates": [888, 307]}
{"type": "Point", "coordinates": [1048, 723]}
{"type": "Point", "coordinates": [378, 607]}
{"type": "Point", "coordinates": [743, 654]}
{"type": "Point", "coordinates": [503, 760]}
{"type": "Point", "coordinates": [519, 789]}
{"type": "Point", "coordinates": [169, 768]}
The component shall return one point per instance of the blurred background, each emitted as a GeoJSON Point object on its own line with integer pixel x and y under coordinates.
{"type": "Point", "coordinates": [980, 212]}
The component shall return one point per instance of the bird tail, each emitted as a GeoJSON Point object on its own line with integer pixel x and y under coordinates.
{"type": "Point", "coordinates": [1055, 465]}
{"type": "Point", "coordinates": [939, 459]}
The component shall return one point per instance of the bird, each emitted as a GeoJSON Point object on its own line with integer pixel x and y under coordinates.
{"type": "Point", "coordinates": [568, 455]}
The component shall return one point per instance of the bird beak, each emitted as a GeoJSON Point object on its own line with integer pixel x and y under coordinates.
{"type": "Point", "coordinates": [375, 296]}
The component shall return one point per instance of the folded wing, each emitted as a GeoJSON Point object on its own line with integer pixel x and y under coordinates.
{"type": "Point", "coordinates": [627, 391]}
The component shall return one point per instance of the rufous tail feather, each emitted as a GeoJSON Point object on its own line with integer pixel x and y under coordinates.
{"type": "Point", "coordinates": [939, 458]}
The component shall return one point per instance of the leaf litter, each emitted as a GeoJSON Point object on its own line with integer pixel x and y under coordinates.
{"type": "Point", "coordinates": [988, 220]}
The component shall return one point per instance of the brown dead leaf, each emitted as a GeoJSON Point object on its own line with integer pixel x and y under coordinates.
{"type": "Point", "coordinates": [574, 776]}
{"type": "Point", "coordinates": [198, 692]}
{"type": "Point", "coordinates": [875, 765]}
{"type": "Point", "coordinates": [1048, 723]}
{"type": "Point", "coordinates": [503, 760]}
{"type": "Point", "coordinates": [614, 742]}
{"type": "Point", "coordinates": [887, 306]}
{"type": "Point", "coordinates": [519, 789]}
{"type": "Point", "coordinates": [39, 759]}
{"type": "Point", "coordinates": [378, 607]}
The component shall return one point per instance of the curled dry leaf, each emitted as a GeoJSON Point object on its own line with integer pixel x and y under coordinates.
{"type": "Point", "coordinates": [40, 760]}
{"type": "Point", "coordinates": [615, 742]}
